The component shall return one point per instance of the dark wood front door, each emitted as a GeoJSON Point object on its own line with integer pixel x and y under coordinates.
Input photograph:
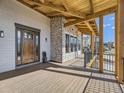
{"type": "Point", "coordinates": [28, 46]}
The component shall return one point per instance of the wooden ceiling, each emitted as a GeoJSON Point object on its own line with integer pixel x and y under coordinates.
{"type": "Point", "coordinates": [81, 13]}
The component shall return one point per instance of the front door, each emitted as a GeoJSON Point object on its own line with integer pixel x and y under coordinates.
{"type": "Point", "coordinates": [28, 46]}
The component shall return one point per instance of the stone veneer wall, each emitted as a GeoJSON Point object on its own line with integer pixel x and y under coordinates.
{"type": "Point", "coordinates": [57, 30]}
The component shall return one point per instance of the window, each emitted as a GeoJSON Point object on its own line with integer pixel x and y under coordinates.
{"type": "Point", "coordinates": [79, 45]}
{"type": "Point", "coordinates": [30, 36]}
{"type": "Point", "coordinates": [67, 43]}
{"type": "Point", "coordinates": [75, 43]}
{"type": "Point", "coordinates": [25, 35]}
{"type": "Point", "coordinates": [72, 45]}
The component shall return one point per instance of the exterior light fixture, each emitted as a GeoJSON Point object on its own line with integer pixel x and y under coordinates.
{"type": "Point", "coordinates": [1, 34]}
{"type": "Point", "coordinates": [46, 39]}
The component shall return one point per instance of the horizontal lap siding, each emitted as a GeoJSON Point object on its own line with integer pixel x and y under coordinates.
{"type": "Point", "coordinates": [12, 12]}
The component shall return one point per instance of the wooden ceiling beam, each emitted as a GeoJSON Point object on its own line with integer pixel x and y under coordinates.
{"type": "Point", "coordinates": [96, 27]}
{"type": "Point", "coordinates": [90, 27]}
{"type": "Point", "coordinates": [65, 6]}
{"type": "Point", "coordinates": [91, 6]}
{"type": "Point", "coordinates": [32, 7]}
{"type": "Point", "coordinates": [85, 24]}
{"type": "Point", "coordinates": [93, 16]}
{"type": "Point", "coordinates": [54, 14]}
{"type": "Point", "coordinates": [44, 1]}
{"type": "Point", "coordinates": [102, 13]}
{"type": "Point", "coordinates": [85, 31]}
{"type": "Point", "coordinates": [50, 5]}
{"type": "Point", "coordinates": [71, 17]}
{"type": "Point", "coordinates": [74, 22]}
{"type": "Point", "coordinates": [81, 26]}
{"type": "Point", "coordinates": [57, 8]}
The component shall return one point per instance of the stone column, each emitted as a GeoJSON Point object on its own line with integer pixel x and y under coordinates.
{"type": "Point", "coordinates": [57, 30]}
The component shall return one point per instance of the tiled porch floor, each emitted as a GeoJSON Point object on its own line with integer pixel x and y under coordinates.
{"type": "Point", "coordinates": [69, 77]}
{"type": "Point", "coordinates": [102, 83]}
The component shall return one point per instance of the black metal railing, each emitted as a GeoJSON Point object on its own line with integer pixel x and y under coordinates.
{"type": "Point", "coordinates": [88, 56]}
{"type": "Point", "coordinates": [109, 62]}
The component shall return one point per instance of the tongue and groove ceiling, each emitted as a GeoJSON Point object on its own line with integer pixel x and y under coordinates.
{"type": "Point", "coordinates": [81, 13]}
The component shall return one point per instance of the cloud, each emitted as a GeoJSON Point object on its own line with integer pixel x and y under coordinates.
{"type": "Point", "coordinates": [107, 25]}
{"type": "Point", "coordinates": [113, 27]}
{"type": "Point", "coordinates": [112, 18]}
{"type": "Point", "coordinates": [104, 25]}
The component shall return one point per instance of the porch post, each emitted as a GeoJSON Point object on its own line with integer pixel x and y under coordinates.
{"type": "Point", "coordinates": [82, 43]}
{"type": "Point", "coordinates": [96, 44]}
{"type": "Point", "coordinates": [116, 43]}
{"type": "Point", "coordinates": [120, 27]}
{"type": "Point", "coordinates": [101, 45]}
{"type": "Point", "coordinates": [92, 43]}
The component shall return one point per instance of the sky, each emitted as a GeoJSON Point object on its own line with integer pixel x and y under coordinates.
{"type": "Point", "coordinates": [109, 28]}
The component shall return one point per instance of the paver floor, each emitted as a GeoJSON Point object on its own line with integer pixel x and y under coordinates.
{"type": "Point", "coordinates": [102, 83]}
{"type": "Point", "coordinates": [52, 77]}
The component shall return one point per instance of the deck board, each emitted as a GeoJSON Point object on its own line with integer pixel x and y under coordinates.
{"type": "Point", "coordinates": [57, 78]}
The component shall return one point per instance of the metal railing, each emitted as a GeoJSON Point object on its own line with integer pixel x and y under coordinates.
{"type": "Point", "coordinates": [88, 55]}
{"type": "Point", "coordinates": [109, 62]}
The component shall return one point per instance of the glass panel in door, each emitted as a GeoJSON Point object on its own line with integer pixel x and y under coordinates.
{"type": "Point", "coordinates": [19, 53]}
{"type": "Point", "coordinates": [28, 46]}
{"type": "Point", "coordinates": [36, 45]}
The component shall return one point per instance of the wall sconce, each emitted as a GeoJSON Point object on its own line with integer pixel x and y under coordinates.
{"type": "Point", "coordinates": [46, 39]}
{"type": "Point", "coordinates": [1, 34]}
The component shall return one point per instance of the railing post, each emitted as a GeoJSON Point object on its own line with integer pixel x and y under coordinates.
{"type": "Point", "coordinates": [112, 63]}
{"type": "Point", "coordinates": [107, 61]}
{"type": "Point", "coordinates": [85, 57]}
{"type": "Point", "coordinates": [90, 55]}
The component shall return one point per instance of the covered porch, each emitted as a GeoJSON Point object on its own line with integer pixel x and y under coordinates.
{"type": "Point", "coordinates": [70, 77]}
{"type": "Point", "coordinates": [62, 75]}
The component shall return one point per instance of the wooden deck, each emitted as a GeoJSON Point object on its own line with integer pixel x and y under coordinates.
{"type": "Point", "coordinates": [69, 77]}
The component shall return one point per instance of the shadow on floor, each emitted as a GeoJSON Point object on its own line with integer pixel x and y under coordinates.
{"type": "Point", "coordinates": [42, 66]}
{"type": "Point", "coordinates": [86, 76]}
